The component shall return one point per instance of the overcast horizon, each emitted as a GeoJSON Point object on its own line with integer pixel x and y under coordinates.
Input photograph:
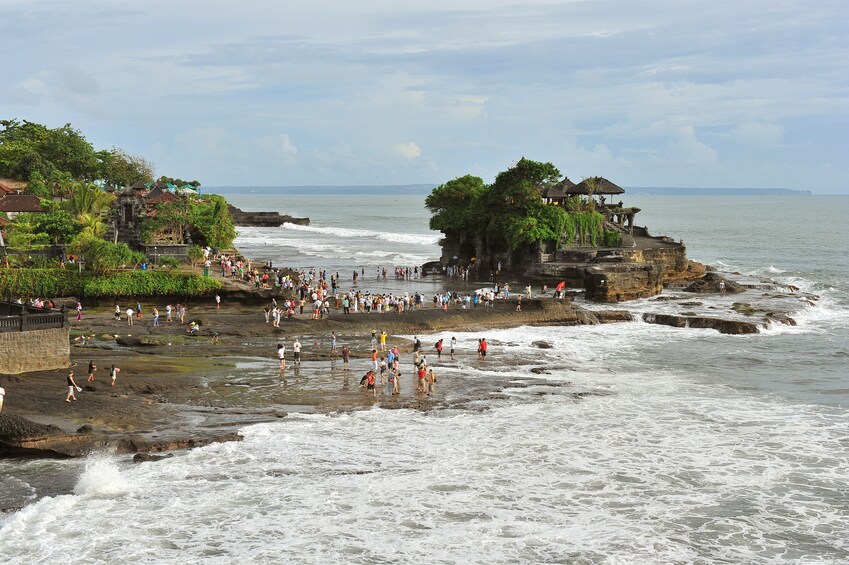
{"type": "Point", "coordinates": [668, 93]}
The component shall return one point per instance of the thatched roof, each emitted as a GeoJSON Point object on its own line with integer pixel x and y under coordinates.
{"type": "Point", "coordinates": [139, 185]}
{"type": "Point", "coordinates": [602, 186]}
{"type": "Point", "coordinates": [559, 190]}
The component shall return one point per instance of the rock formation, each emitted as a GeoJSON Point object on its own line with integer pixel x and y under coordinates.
{"type": "Point", "coordinates": [263, 219]}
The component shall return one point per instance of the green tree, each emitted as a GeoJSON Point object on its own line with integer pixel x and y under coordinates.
{"type": "Point", "coordinates": [36, 185]}
{"type": "Point", "coordinates": [88, 198]}
{"type": "Point", "coordinates": [59, 225]}
{"type": "Point", "coordinates": [103, 257]}
{"type": "Point", "coordinates": [455, 205]}
{"type": "Point", "coordinates": [119, 168]}
{"type": "Point", "coordinates": [195, 256]}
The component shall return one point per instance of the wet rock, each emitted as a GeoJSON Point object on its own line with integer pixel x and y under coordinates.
{"type": "Point", "coordinates": [733, 327]}
{"type": "Point", "coordinates": [147, 457]}
{"type": "Point", "coordinates": [263, 219]}
{"type": "Point", "coordinates": [712, 282]}
{"type": "Point", "coordinates": [540, 371]}
{"type": "Point", "coordinates": [85, 429]}
{"type": "Point", "coordinates": [139, 341]}
{"type": "Point", "coordinates": [542, 344]}
{"type": "Point", "coordinates": [20, 437]}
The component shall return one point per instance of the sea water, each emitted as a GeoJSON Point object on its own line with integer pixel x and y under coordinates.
{"type": "Point", "coordinates": [629, 443]}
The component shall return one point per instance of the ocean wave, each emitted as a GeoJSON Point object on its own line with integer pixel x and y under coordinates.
{"type": "Point", "coordinates": [407, 238]}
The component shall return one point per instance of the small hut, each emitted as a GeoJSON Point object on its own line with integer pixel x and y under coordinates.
{"type": "Point", "coordinates": [557, 193]}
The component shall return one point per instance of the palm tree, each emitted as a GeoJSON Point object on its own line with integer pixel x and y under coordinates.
{"type": "Point", "coordinates": [88, 198]}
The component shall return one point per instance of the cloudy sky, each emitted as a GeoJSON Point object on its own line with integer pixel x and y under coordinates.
{"type": "Point", "coordinates": [702, 93]}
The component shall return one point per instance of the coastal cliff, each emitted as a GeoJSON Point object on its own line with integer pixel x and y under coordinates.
{"type": "Point", "coordinates": [263, 219]}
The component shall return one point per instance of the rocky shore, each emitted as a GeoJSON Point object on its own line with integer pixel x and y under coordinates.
{"type": "Point", "coordinates": [177, 390]}
{"type": "Point", "coordinates": [263, 219]}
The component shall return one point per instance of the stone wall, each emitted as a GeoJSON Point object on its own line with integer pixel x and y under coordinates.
{"type": "Point", "coordinates": [37, 350]}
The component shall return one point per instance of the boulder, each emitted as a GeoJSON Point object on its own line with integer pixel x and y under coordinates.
{"type": "Point", "coordinates": [147, 457]}
{"type": "Point", "coordinates": [711, 283]}
{"type": "Point", "coordinates": [734, 327]}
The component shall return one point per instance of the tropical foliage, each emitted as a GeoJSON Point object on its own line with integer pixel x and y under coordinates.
{"type": "Point", "coordinates": [30, 283]}
{"type": "Point", "coordinates": [208, 222]}
{"type": "Point", "coordinates": [510, 213]}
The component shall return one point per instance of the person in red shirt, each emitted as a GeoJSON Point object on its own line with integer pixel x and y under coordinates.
{"type": "Point", "coordinates": [482, 349]}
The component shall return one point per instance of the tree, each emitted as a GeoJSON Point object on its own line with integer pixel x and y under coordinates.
{"type": "Point", "coordinates": [56, 222]}
{"type": "Point", "coordinates": [456, 204]}
{"type": "Point", "coordinates": [119, 168]}
{"type": "Point", "coordinates": [88, 199]}
{"type": "Point", "coordinates": [104, 256]}
{"type": "Point", "coordinates": [36, 185]}
{"type": "Point", "coordinates": [194, 255]}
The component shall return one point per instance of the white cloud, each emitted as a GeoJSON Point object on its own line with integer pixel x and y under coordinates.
{"type": "Point", "coordinates": [409, 150]}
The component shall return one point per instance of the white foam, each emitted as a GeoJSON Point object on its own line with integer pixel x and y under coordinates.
{"type": "Point", "coordinates": [102, 477]}
{"type": "Point", "coordinates": [406, 238]}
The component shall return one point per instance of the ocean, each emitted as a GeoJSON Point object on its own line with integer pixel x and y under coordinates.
{"type": "Point", "coordinates": [630, 443]}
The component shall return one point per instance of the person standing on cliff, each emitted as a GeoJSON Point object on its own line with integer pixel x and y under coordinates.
{"type": "Point", "coordinates": [71, 386]}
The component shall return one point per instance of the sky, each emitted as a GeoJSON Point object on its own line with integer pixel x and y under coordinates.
{"type": "Point", "coordinates": [684, 93]}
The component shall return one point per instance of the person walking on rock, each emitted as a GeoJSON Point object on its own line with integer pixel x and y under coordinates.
{"type": "Point", "coordinates": [129, 316]}
{"type": "Point", "coordinates": [71, 386]}
{"type": "Point", "coordinates": [91, 369]}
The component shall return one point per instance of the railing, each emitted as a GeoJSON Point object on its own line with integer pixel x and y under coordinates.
{"type": "Point", "coordinates": [29, 322]}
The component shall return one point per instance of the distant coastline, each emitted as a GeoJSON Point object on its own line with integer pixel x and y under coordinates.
{"type": "Point", "coordinates": [676, 191]}
{"type": "Point", "coordinates": [425, 189]}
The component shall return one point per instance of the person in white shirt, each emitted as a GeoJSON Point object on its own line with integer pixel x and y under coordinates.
{"type": "Point", "coordinates": [281, 355]}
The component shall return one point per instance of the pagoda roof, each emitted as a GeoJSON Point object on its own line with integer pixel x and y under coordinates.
{"type": "Point", "coordinates": [602, 186]}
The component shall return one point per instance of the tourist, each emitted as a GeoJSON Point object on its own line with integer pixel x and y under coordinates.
{"type": "Point", "coordinates": [79, 311]}
{"type": "Point", "coordinates": [370, 383]}
{"type": "Point", "coordinates": [2, 394]}
{"type": "Point", "coordinates": [439, 350]}
{"type": "Point", "coordinates": [374, 339]}
{"type": "Point", "coordinates": [155, 316]}
{"type": "Point", "coordinates": [281, 355]}
{"type": "Point", "coordinates": [117, 312]}
{"type": "Point", "coordinates": [129, 316]}
{"type": "Point", "coordinates": [483, 348]}
{"type": "Point", "coordinates": [182, 310]}
{"type": "Point", "coordinates": [453, 346]}
{"type": "Point", "coordinates": [374, 359]}
{"type": "Point", "coordinates": [71, 386]}
{"type": "Point", "coordinates": [296, 348]}
{"type": "Point", "coordinates": [138, 310]}
{"type": "Point", "coordinates": [417, 345]}
{"type": "Point", "coordinates": [91, 369]}
{"type": "Point", "coordinates": [722, 287]}
{"type": "Point", "coordinates": [113, 373]}
{"type": "Point", "coordinates": [383, 340]}
{"type": "Point", "coordinates": [420, 380]}
{"type": "Point", "coordinates": [346, 356]}
{"type": "Point", "coordinates": [217, 301]}
{"type": "Point", "coordinates": [519, 303]}
{"type": "Point", "coordinates": [333, 343]}
{"type": "Point", "coordinates": [431, 382]}
{"type": "Point", "coordinates": [168, 311]}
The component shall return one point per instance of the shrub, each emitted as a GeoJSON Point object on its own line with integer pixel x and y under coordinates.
{"type": "Point", "coordinates": [59, 282]}
{"type": "Point", "coordinates": [611, 238]}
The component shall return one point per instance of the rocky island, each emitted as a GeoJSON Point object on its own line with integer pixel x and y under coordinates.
{"type": "Point", "coordinates": [533, 224]}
